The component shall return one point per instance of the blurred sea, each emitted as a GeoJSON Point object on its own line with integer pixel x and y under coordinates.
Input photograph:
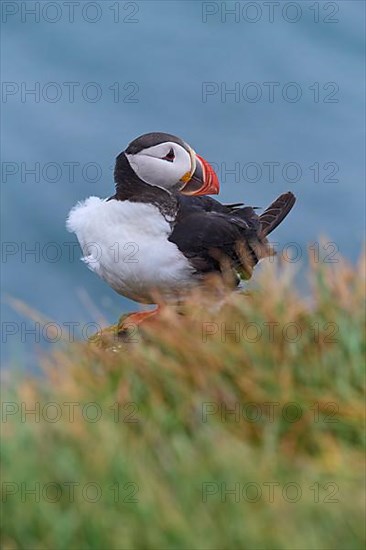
{"type": "Point", "coordinates": [113, 70]}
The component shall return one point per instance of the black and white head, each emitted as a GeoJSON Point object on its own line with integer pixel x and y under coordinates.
{"type": "Point", "coordinates": [166, 161]}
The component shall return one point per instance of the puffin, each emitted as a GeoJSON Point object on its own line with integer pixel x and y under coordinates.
{"type": "Point", "coordinates": [161, 234]}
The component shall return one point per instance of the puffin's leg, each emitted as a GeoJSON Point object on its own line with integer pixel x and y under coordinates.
{"type": "Point", "coordinates": [135, 319]}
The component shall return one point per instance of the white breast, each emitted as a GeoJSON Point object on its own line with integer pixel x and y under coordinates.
{"type": "Point", "coordinates": [127, 245]}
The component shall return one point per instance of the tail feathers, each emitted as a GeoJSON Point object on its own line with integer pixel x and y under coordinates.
{"type": "Point", "coordinates": [275, 213]}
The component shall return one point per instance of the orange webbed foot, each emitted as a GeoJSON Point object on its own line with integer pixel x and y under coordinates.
{"type": "Point", "coordinates": [133, 320]}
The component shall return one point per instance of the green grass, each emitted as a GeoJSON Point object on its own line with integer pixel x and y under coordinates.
{"type": "Point", "coordinates": [162, 479]}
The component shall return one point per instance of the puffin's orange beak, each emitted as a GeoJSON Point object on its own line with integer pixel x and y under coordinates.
{"type": "Point", "coordinates": [203, 180]}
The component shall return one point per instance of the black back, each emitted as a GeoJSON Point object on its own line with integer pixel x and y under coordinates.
{"type": "Point", "coordinates": [225, 238]}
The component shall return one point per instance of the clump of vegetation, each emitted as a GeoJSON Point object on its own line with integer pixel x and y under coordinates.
{"type": "Point", "coordinates": [241, 428]}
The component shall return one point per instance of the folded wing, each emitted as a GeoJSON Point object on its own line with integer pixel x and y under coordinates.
{"type": "Point", "coordinates": [224, 238]}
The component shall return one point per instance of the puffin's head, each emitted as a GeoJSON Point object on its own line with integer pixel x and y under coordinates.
{"type": "Point", "coordinates": [166, 161]}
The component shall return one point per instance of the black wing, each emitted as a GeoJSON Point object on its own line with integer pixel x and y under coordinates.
{"type": "Point", "coordinates": [276, 212]}
{"type": "Point", "coordinates": [224, 238]}
{"type": "Point", "coordinates": [218, 238]}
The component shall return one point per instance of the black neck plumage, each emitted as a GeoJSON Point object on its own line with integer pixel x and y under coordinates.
{"type": "Point", "coordinates": [129, 187]}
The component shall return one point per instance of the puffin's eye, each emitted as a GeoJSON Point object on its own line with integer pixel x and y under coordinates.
{"type": "Point", "coordinates": [170, 156]}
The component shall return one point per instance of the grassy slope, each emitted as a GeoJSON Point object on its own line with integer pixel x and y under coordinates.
{"type": "Point", "coordinates": [173, 449]}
